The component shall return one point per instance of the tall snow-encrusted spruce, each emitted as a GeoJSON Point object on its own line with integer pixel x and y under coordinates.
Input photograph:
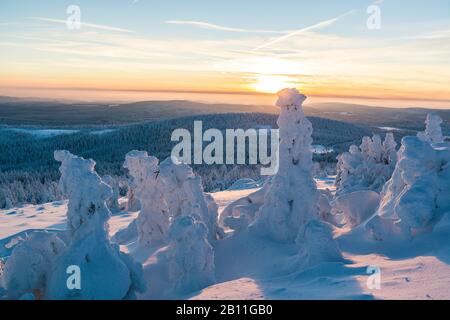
{"type": "Point", "coordinates": [106, 272]}
{"type": "Point", "coordinates": [292, 198]}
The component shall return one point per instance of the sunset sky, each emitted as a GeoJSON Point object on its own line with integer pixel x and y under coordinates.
{"type": "Point", "coordinates": [324, 48]}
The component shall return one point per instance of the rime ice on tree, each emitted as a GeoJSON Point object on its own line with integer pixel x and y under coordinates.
{"type": "Point", "coordinates": [190, 257]}
{"type": "Point", "coordinates": [368, 166]}
{"type": "Point", "coordinates": [184, 195]}
{"type": "Point", "coordinates": [153, 220]}
{"type": "Point", "coordinates": [106, 273]}
{"type": "Point", "coordinates": [292, 198]}
{"type": "Point", "coordinates": [416, 197]}
{"type": "Point", "coordinates": [433, 132]}
{"type": "Point", "coordinates": [113, 202]}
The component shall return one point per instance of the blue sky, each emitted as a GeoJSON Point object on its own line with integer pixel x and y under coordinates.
{"type": "Point", "coordinates": [229, 46]}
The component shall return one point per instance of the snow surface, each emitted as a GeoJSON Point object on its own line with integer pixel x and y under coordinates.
{"type": "Point", "coordinates": [250, 268]}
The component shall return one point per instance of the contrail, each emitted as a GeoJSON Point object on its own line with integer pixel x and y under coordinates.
{"type": "Point", "coordinates": [207, 25]}
{"type": "Point", "coordinates": [319, 25]}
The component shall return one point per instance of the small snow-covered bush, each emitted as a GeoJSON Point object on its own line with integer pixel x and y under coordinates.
{"type": "Point", "coordinates": [417, 195]}
{"type": "Point", "coordinates": [433, 131]}
{"type": "Point", "coordinates": [30, 265]}
{"type": "Point", "coordinates": [189, 255]}
{"type": "Point", "coordinates": [292, 198]}
{"type": "Point", "coordinates": [317, 245]}
{"type": "Point", "coordinates": [368, 166]}
{"type": "Point", "coordinates": [106, 272]}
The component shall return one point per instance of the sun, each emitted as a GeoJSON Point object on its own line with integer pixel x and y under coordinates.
{"type": "Point", "coordinates": [271, 83]}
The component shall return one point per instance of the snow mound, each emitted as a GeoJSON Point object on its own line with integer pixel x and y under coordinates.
{"type": "Point", "coordinates": [354, 208]}
{"type": "Point", "coordinates": [317, 245]}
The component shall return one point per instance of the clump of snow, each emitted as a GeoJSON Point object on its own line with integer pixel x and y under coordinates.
{"type": "Point", "coordinates": [368, 166]}
{"type": "Point", "coordinates": [184, 195]}
{"type": "Point", "coordinates": [30, 265]}
{"type": "Point", "coordinates": [292, 198]}
{"type": "Point", "coordinates": [113, 202]}
{"type": "Point", "coordinates": [433, 132]}
{"type": "Point", "coordinates": [239, 214]}
{"type": "Point", "coordinates": [189, 255]}
{"type": "Point", "coordinates": [352, 209]}
{"type": "Point", "coordinates": [416, 197]}
{"type": "Point", "coordinates": [153, 220]}
{"type": "Point", "coordinates": [317, 245]}
{"type": "Point", "coordinates": [106, 272]}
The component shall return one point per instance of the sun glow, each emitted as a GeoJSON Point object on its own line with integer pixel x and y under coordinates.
{"type": "Point", "coordinates": [272, 83]}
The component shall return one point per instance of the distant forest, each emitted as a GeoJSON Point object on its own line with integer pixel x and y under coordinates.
{"type": "Point", "coordinates": [29, 173]}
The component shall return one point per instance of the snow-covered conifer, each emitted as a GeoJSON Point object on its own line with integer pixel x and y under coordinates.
{"type": "Point", "coordinates": [433, 131]}
{"type": "Point", "coordinates": [184, 195]}
{"type": "Point", "coordinates": [105, 271]}
{"type": "Point", "coordinates": [416, 197]}
{"type": "Point", "coordinates": [153, 220]}
{"type": "Point", "coordinates": [292, 198]}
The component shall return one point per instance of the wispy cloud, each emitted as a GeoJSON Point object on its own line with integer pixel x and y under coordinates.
{"type": "Point", "coordinates": [211, 26]}
{"type": "Point", "coordinates": [85, 24]}
{"type": "Point", "coordinates": [320, 25]}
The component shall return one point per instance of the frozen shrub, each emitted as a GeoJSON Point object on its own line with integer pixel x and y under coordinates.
{"type": "Point", "coordinates": [189, 255]}
{"type": "Point", "coordinates": [30, 265]}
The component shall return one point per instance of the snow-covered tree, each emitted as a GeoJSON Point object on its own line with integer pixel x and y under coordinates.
{"type": "Point", "coordinates": [113, 202]}
{"type": "Point", "coordinates": [292, 198]}
{"type": "Point", "coordinates": [106, 272]}
{"type": "Point", "coordinates": [184, 195]}
{"type": "Point", "coordinates": [189, 256]}
{"type": "Point", "coordinates": [29, 267]}
{"type": "Point", "coordinates": [153, 220]}
{"type": "Point", "coordinates": [416, 197]}
{"type": "Point", "coordinates": [368, 166]}
{"type": "Point", "coordinates": [433, 132]}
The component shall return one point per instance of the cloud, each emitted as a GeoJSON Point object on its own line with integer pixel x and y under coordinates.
{"type": "Point", "coordinates": [320, 25]}
{"type": "Point", "coordinates": [210, 26]}
{"type": "Point", "coordinates": [85, 24]}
